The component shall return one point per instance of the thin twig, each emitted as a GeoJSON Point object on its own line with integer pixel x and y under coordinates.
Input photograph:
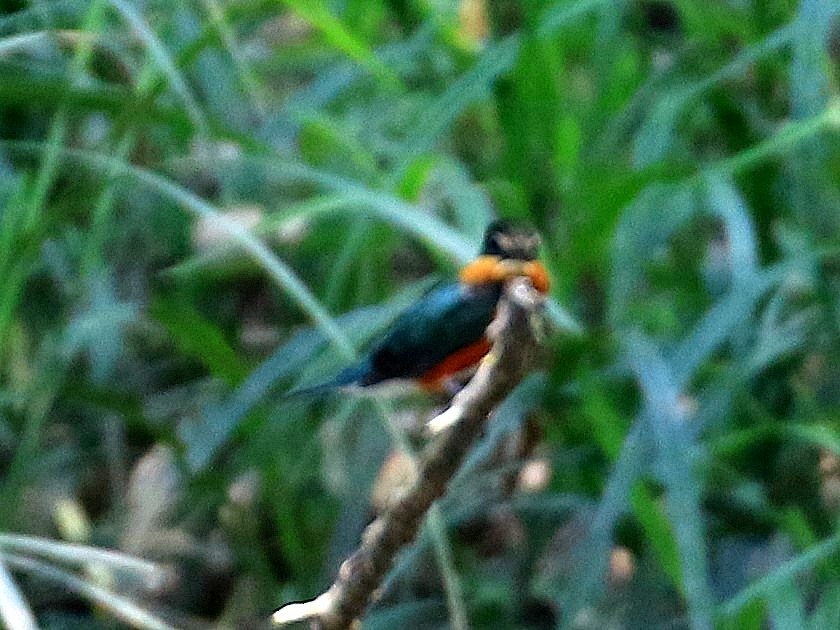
{"type": "Point", "coordinates": [514, 348]}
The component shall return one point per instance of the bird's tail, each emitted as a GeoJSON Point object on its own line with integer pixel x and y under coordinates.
{"type": "Point", "coordinates": [355, 374]}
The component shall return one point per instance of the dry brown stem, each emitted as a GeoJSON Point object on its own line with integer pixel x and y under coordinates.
{"type": "Point", "coordinates": [514, 348]}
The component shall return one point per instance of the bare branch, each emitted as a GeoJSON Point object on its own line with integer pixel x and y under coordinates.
{"type": "Point", "coordinates": [514, 348]}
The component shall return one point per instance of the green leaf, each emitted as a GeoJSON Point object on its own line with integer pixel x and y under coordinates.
{"type": "Point", "coordinates": [416, 614]}
{"type": "Point", "coordinates": [735, 442]}
{"type": "Point", "coordinates": [827, 611]}
{"type": "Point", "coordinates": [656, 137]}
{"type": "Point", "coordinates": [198, 337]}
{"type": "Point", "coordinates": [163, 59]}
{"type": "Point", "coordinates": [205, 435]}
{"type": "Point", "coordinates": [197, 206]}
{"type": "Point", "coordinates": [645, 225]}
{"type": "Point", "coordinates": [810, 83]}
{"type": "Point", "coordinates": [444, 111]}
{"type": "Point", "coordinates": [590, 556]}
{"type": "Point", "coordinates": [728, 204]}
{"type": "Point", "coordinates": [674, 461]}
{"type": "Point", "coordinates": [766, 585]}
{"type": "Point", "coordinates": [120, 607]}
{"type": "Point", "coordinates": [318, 15]}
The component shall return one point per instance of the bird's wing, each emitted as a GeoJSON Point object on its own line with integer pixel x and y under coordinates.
{"type": "Point", "coordinates": [442, 322]}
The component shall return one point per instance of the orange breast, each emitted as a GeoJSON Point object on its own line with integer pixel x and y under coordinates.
{"type": "Point", "coordinates": [455, 362]}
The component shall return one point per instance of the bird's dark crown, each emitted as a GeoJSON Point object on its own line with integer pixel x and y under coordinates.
{"type": "Point", "coordinates": [510, 240]}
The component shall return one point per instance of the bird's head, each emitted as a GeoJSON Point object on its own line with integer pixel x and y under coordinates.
{"type": "Point", "coordinates": [510, 241]}
{"type": "Point", "coordinates": [509, 250]}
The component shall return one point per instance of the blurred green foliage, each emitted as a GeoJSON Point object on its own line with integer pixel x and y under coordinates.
{"type": "Point", "coordinates": [205, 203]}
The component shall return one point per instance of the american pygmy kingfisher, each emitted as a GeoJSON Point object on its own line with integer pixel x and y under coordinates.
{"type": "Point", "coordinates": [443, 333]}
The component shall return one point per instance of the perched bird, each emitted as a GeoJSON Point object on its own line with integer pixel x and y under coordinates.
{"type": "Point", "coordinates": [443, 333]}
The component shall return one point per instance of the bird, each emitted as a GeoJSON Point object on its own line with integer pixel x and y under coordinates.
{"type": "Point", "coordinates": [443, 333]}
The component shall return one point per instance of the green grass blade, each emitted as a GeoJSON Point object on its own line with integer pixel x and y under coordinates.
{"type": "Point", "coordinates": [446, 109]}
{"type": "Point", "coordinates": [785, 606]}
{"type": "Point", "coordinates": [560, 14]}
{"type": "Point", "coordinates": [823, 436]}
{"type": "Point", "coordinates": [765, 586]}
{"type": "Point", "coordinates": [359, 198]}
{"type": "Point", "coordinates": [826, 613]}
{"type": "Point", "coordinates": [789, 137]}
{"type": "Point", "coordinates": [674, 461]}
{"type": "Point", "coordinates": [164, 61]}
{"type": "Point", "coordinates": [198, 337]}
{"type": "Point", "coordinates": [33, 16]}
{"type": "Point", "coordinates": [14, 611]}
{"type": "Point", "coordinates": [81, 555]}
{"type": "Point", "coordinates": [22, 41]}
{"type": "Point", "coordinates": [727, 203]}
{"type": "Point", "coordinates": [204, 438]}
{"type": "Point", "coordinates": [190, 202]}
{"type": "Point", "coordinates": [590, 557]}
{"type": "Point", "coordinates": [456, 606]}
{"type": "Point", "coordinates": [318, 15]}
{"type": "Point", "coordinates": [643, 227]}
{"type": "Point", "coordinates": [719, 323]}
{"type": "Point", "coordinates": [247, 77]}
{"type": "Point", "coordinates": [656, 137]}
{"type": "Point", "coordinates": [811, 86]}
{"type": "Point", "coordinates": [31, 227]}
{"type": "Point", "coordinates": [428, 228]}
{"type": "Point", "coordinates": [121, 607]}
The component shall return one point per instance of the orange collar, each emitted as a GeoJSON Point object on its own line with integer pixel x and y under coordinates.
{"type": "Point", "coordinates": [485, 269]}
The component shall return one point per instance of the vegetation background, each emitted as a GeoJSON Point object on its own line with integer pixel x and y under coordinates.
{"type": "Point", "coordinates": [205, 203]}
